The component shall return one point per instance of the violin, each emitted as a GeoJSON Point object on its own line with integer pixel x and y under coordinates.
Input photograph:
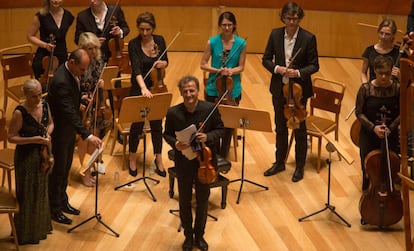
{"type": "Point", "coordinates": [116, 45]}
{"type": "Point", "coordinates": [381, 203]}
{"type": "Point", "coordinates": [157, 76]}
{"type": "Point", "coordinates": [294, 111]}
{"type": "Point", "coordinates": [50, 64]}
{"type": "Point", "coordinates": [206, 172]}
{"type": "Point", "coordinates": [46, 157]}
{"type": "Point", "coordinates": [224, 83]}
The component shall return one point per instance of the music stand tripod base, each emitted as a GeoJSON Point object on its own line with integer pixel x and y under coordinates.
{"type": "Point", "coordinates": [327, 204]}
{"type": "Point", "coordinates": [236, 117]}
{"type": "Point", "coordinates": [97, 215]}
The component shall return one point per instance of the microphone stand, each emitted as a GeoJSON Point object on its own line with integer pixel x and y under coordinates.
{"type": "Point", "coordinates": [331, 148]}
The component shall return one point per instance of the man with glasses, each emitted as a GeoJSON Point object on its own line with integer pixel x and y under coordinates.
{"type": "Point", "coordinates": [285, 43]}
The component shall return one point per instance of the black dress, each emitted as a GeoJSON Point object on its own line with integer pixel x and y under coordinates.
{"type": "Point", "coordinates": [48, 26]}
{"type": "Point", "coordinates": [33, 221]}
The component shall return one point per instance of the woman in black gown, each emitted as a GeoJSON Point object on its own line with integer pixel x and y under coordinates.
{"type": "Point", "coordinates": [28, 125]}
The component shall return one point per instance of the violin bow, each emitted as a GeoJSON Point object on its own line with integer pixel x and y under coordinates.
{"type": "Point", "coordinates": [110, 17]}
{"type": "Point", "coordinates": [162, 54]}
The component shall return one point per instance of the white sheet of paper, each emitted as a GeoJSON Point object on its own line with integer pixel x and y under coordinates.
{"type": "Point", "coordinates": [185, 136]}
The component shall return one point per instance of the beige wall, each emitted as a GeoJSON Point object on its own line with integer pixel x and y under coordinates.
{"type": "Point", "coordinates": [337, 33]}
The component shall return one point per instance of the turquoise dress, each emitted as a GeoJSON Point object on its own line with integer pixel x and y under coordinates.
{"type": "Point", "coordinates": [216, 46]}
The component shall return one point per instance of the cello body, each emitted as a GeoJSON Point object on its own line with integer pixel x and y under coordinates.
{"type": "Point", "coordinates": [381, 203]}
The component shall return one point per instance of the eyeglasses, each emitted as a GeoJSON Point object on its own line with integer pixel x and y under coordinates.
{"type": "Point", "coordinates": [383, 73]}
{"type": "Point", "coordinates": [291, 19]}
{"type": "Point", "coordinates": [227, 25]}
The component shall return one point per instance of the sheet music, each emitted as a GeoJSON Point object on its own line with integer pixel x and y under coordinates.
{"type": "Point", "coordinates": [185, 136]}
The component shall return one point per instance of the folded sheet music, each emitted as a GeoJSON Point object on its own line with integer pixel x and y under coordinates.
{"type": "Point", "coordinates": [185, 136]}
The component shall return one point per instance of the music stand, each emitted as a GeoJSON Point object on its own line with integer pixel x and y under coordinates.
{"type": "Point", "coordinates": [94, 159]}
{"type": "Point", "coordinates": [236, 117]}
{"type": "Point", "coordinates": [149, 109]}
{"type": "Point", "coordinates": [331, 147]}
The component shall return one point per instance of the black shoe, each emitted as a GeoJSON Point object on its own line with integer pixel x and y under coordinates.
{"type": "Point", "coordinates": [201, 244]}
{"type": "Point", "coordinates": [188, 244]}
{"type": "Point", "coordinates": [61, 218]}
{"type": "Point", "coordinates": [133, 173]}
{"type": "Point", "coordinates": [70, 210]}
{"type": "Point", "coordinates": [158, 171]}
{"type": "Point", "coordinates": [298, 174]}
{"type": "Point", "coordinates": [274, 170]}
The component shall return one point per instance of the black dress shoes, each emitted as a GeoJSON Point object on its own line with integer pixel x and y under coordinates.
{"type": "Point", "coordinates": [298, 174]}
{"type": "Point", "coordinates": [70, 210]}
{"type": "Point", "coordinates": [158, 171]}
{"type": "Point", "coordinates": [274, 170]}
{"type": "Point", "coordinates": [188, 244]}
{"type": "Point", "coordinates": [61, 218]}
{"type": "Point", "coordinates": [201, 244]}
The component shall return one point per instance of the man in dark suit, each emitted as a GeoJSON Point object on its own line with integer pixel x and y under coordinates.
{"type": "Point", "coordinates": [283, 44]}
{"type": "Point", "coordinates": [64, 100]}
{"type": "Point", "coordinates": [97, 19]}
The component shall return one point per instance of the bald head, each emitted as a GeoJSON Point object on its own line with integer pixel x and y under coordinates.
{"type": "Point", "coordinates": [78, 62]}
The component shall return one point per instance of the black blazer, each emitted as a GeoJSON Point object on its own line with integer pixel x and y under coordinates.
{"type": "Point", "coordinates": [306, 61]}
{"type": "Point", "coordinates": [85, 21]}
{"type": "Point", "coordinates": [64, 100]}
{"type": "Point", "coordinates": [410, 19]}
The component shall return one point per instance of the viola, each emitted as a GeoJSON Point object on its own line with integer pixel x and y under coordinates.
{"type": "Point", "coordinates": [46, 157]}
{"type": "Point", "coordinates": [116, 45]}
{"type": "Point", "coordinates": [49, 64]}
{"type": "Point", "coordinates": [381, 203]}
{"type": "Point", "coordinates": [157, 76]}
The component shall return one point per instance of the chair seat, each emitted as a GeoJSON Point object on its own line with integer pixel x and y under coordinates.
{"type": "Point", "coordinates": [7, 158]}
{"type": "Point", "coordinates": [8, 203]}
{"type": "Point", "coordinates": [325, 125]}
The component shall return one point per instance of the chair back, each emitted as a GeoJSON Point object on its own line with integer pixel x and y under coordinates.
{"type": "Point", "coordinates": [327, 96]}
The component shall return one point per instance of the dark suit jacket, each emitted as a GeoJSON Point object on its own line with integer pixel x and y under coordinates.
{"type": "Point", "coordinates": [306, 61]}
{"type": "Point", "coordinates": [410, 19]}
{"type": "Point", "coordinates": [64, 100]}
{"type": "Point", "coordinates": [85, 21]}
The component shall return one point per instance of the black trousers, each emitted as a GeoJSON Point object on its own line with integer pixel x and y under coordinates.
{"type": "Point", "coordinates": [156, 135]}
{"type": "Point", "coordinates": [62, 148]}
{"type": "Point", "coordinates": [282, 133]}
{"type": "Point", "coordinates": [185, 187]}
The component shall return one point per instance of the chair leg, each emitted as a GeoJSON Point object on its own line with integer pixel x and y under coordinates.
{"type": "Point", "coordinates": [223, 196]}
{"type": "Point", "coordinates": [292, 136]}
{"type": "Point", "coordinates": [9, 180]}
{"type": "Point", "coordinates": [3, 178]}
{"type": "Point", "coordinates": [13, 227]}
{"type": "Point", "coordinates": [318, 165]}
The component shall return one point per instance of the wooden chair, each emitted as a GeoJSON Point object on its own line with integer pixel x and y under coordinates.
{"type": "Point", "coordinates": [9, 205]}
{"type": "Point", "coordinates": [118, 94]}
{"type": "Point", "coordinates": [325, 106]}
{"type": "Point", "coordinates": [16, 62]}
{"type": "Point", "coordinates": [6, 154]}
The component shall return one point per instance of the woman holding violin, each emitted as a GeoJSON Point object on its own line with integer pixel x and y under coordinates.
{"type": "Point", "coordinates": [228, 56]}
{"type": "Point", "coordinates": [381, 92]}
{"type": "Point", "coordinates": [291, 55]}
{"type": "Point", "coordinates": [30, 128]}
{"type": "Point", "coordinates": [91, 88]}
{"type": "Point", "coordinates": [144, 52]}
{"type": "Point", "coordinates": [385, 46]}
{"type": "Point", "coordinates": [192, 111]}
{"type": "Point", "coordinates": [52, 19]}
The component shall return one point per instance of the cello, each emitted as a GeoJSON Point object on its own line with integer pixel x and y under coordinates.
{"type": "Point", "coordinates": [381, 203]}
{"type": "Point", "coordinates": [294, 111]}
{"type": "Point", "coordinates": [50, 64]}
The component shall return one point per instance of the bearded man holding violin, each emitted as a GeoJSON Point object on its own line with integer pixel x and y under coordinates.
{"type": "Point", "coordinates": [283, 44]}
{"type": "Point", "coordinates": [193, 111]}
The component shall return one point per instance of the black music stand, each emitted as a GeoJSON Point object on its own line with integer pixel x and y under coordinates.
{"type": "Point", "coordinates": [236, 117]}
{"type": "Point", "coordinates": [331, 147]}
{"type": "Point", "coordinates": [149, 109]}
{"type": "Point", "coordinates": [94, 159]}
